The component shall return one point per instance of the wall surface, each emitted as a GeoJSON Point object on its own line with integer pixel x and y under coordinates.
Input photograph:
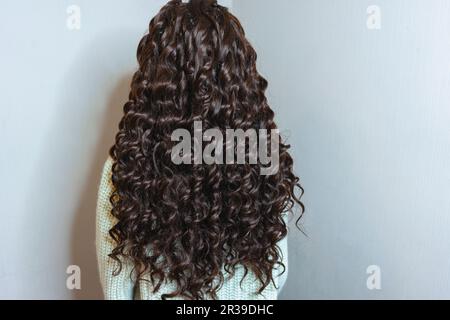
{"type": "Point", "coordinates": [62, 95]}
{"type": "Point", "coordinates": [367, 110]}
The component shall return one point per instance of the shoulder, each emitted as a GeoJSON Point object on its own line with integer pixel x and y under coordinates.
{"type": "Point", "coordinates": [105, 191]}
{"type": "Point", "coordinates": [106, 186]}
{"type": "Point", "coordinates": [107, 165]}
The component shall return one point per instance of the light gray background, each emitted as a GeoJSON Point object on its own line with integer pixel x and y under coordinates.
{"type": "Point", "coordinates": [367, 113]}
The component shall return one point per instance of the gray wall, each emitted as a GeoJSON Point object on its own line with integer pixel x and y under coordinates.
{"type": "Point", "coordinates": [62, 98]}
{"type": "Point", "coordinates": [367, 112]}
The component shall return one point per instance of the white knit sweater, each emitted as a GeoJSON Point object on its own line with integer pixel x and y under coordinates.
{"type": "Point", "coordinates": [121, 287]}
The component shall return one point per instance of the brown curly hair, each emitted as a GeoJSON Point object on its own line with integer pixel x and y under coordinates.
{"type": "Point", "coordinates": [183, 223]}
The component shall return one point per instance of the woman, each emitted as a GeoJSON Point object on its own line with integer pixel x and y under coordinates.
{"type": "Point", "coordinates": [192, 230]}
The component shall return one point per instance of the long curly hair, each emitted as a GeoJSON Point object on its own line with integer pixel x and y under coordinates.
{"type": "Point", "coordinates": [190, 224]}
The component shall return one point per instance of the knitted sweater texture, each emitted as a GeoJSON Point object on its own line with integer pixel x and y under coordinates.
{"type": "Point", "coordinates": [122, 287]}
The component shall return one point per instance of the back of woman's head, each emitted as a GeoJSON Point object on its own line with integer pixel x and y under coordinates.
{"type": "Point", "coordinates": [186, 223]}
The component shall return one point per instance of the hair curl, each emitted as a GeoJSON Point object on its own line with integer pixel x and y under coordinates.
{"type": "Point", "coordinates": [195, 64]}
